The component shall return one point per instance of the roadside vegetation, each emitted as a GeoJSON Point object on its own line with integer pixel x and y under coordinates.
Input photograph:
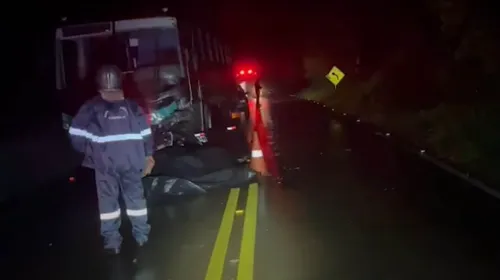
{"type": "Point", "coordinates": [436, 86]}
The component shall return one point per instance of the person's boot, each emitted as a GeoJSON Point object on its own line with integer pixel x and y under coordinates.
{"type": "Point", "coordinates": [116, 269]}
{"type": "Point", "coordinates": [140, 263]}
{"type": "Point", "coordinates": [111, 251]}
{"type": "Point", "coordinates": [139, 254]}
{"type": "Point", "coordinates": [110, 256]}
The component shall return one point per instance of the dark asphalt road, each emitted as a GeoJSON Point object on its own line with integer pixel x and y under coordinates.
{"type": "Point", "coordinates": [358, 210]}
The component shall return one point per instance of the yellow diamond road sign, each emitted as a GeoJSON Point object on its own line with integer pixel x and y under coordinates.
{"type": "Point", "coordinates": [335, 75]}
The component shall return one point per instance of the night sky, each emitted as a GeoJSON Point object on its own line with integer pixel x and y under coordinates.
{"type": "Point", "coordinates": [270, 30]}
{"type": "Point", "coordinates": [277, 33]}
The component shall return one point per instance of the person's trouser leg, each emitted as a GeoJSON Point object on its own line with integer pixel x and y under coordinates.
{"type": "Point", "coordinates": [137, 211]}
{"type": "Point", "coordinates": [108, 191]}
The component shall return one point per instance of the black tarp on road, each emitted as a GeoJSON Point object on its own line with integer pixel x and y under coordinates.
{"type": "Point", "coordinates": [195, 170]}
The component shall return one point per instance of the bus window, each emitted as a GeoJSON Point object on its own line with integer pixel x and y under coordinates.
{"type": "Point", "coordinates": [156, 47]}
{"type": "Point", "coordinates": [70, 60]}
{"type": "Point", "coordinates": [83, 57]}
{"type": "Point", "coordinates": [107, 50]}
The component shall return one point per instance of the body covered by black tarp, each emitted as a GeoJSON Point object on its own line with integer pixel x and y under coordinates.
{"type": "Point", "coordinates": [183, 171]}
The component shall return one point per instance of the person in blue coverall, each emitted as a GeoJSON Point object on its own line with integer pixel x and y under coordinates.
{"type": "Point", "coordinates": [113, 134]}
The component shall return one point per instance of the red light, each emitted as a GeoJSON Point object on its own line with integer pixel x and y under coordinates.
{"type": "Point", "coordinates": [231, 128]}
{"type": "Point", "coordinates": [246, 72]}
{"type": "Point", "coordinates": [72, 179]}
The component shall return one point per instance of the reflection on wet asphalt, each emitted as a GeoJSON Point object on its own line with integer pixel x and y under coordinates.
{"type": "Point", "coordinates": [359, 210]}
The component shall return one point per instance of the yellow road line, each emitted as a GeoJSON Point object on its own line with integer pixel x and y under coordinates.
{"type": "Point", "coordinates": [247, 250]}
{"type": "Point", "coordinates": [218, 258]}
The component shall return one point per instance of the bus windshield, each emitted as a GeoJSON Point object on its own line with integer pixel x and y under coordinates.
{"type": "Point", "coordinates": [128, 50]}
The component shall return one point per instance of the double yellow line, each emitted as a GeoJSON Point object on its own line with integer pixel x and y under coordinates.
{"type": "Point", "coordinates": [215, 269]}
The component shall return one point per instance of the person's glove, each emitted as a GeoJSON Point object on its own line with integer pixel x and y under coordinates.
{"type": "Point", "coordinates": [150, 163]}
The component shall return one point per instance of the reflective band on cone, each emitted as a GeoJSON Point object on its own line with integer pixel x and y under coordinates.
{"type": "Point", "coordinates": [257, 162]}
{"type": "Point", "coordinates": [257, 154]}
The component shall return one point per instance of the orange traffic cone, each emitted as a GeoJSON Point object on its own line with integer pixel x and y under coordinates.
{"type": "Point", "coordinates": [251, 121]}
{"type": "Point", "coordinates": [257, 162]}
{"type": "Point", "coordinates": [250, 130]}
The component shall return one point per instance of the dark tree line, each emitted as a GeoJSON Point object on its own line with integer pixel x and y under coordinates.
{"type": "Point", "coordinates": [436, 83]}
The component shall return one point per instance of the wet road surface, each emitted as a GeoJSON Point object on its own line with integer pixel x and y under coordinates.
{"type": "Point", "coordinates": [359, 210]}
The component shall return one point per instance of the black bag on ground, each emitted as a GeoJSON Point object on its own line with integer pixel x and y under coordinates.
{"type": "Point", "coordinates": [184, 171]}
